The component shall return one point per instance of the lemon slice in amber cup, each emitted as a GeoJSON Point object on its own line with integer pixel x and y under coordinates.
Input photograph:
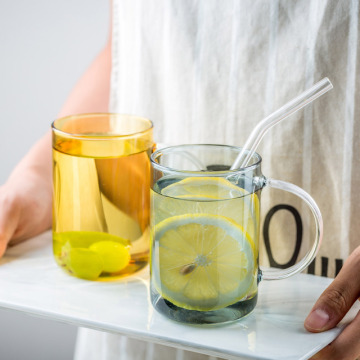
{"type": "Point", "coordinates": [203, 262]}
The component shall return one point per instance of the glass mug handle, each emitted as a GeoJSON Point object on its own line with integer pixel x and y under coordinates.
{"type": "Point", "coordinates": [276, 274]}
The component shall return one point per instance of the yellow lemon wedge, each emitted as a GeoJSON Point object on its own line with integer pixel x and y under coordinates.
{"type": "Point", "coordinates": [202, 261]}
{"type": "Point", "coordinates": [115, 256]}
{"type": "Point", "coordinates": [89, 254]}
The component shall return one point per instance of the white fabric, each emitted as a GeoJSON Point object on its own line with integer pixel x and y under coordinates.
{"type": "Point", "coordinates": [96, 345]}
{"type": "Point", "coordinates": [208, 71]}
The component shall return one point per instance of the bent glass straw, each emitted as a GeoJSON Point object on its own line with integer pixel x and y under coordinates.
{"type": "Point", "coordinates": [288, 109]}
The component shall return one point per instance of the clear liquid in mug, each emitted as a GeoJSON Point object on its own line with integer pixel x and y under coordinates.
{"type": "Point", "coordinates": [204, 249]}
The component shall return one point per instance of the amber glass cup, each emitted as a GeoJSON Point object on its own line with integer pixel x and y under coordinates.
{"type": "Point", "coordinates": [101, 177]}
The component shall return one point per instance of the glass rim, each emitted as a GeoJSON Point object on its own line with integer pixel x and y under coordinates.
{"type": "Point", "coordinates": [102, 137]}
{"type": "Point", "coordinates": [201, 173]}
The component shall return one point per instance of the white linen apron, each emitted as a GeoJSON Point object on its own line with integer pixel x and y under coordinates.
{"type": "Point", "coordinates": [207, 72]}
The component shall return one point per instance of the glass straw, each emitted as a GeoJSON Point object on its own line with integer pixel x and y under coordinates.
{"type": "Point", "coordinates": [289, 108]}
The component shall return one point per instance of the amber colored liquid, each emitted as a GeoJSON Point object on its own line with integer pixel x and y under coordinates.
{"type": "Point", "coordinates": [108, 195]}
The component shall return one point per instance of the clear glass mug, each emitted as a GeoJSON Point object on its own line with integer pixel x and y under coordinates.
{"type": "Point", "coordinates": [101, 179]}
{"type": "Point", "coordinates": [204, 221]}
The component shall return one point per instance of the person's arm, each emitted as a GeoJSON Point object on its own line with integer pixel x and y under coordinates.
{"type": "Point", "coordinates": [26, 197]}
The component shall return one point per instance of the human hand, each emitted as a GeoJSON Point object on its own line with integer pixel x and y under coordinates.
{"type": "Point", "coordinates": [332, 306]}
{"type": "Point", "coordinates": [25, 207]}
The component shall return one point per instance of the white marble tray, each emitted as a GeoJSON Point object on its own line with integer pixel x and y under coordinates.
{"type": "Point", "coordinates": [32, 283]}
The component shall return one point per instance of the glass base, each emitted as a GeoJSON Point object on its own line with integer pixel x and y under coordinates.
{"type": "Point", "coordinates": [228, 314]}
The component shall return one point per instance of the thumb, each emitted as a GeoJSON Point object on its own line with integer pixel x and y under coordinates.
{"type": "Point", "coordinates": [9, 218]}
{"type": "Point", "coordinates": [3, 245]}
{"type": "Point", "coordinates": [338, 298]}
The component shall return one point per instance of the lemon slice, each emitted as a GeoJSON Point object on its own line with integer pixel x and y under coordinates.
{"type": "Point", "coordinates": [207, 187]}
{"type": "Point", "coordinates": [202, 262]}
{"type": "Point", "coordinates": [208, 195]}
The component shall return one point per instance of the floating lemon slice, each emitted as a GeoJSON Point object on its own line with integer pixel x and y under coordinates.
{"type": "Point", "coordinates": [209, 195]}
{"type": "Point", "coordinates": [208, 187]}
{"type": "Point", "coordinates": [203, 262]}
